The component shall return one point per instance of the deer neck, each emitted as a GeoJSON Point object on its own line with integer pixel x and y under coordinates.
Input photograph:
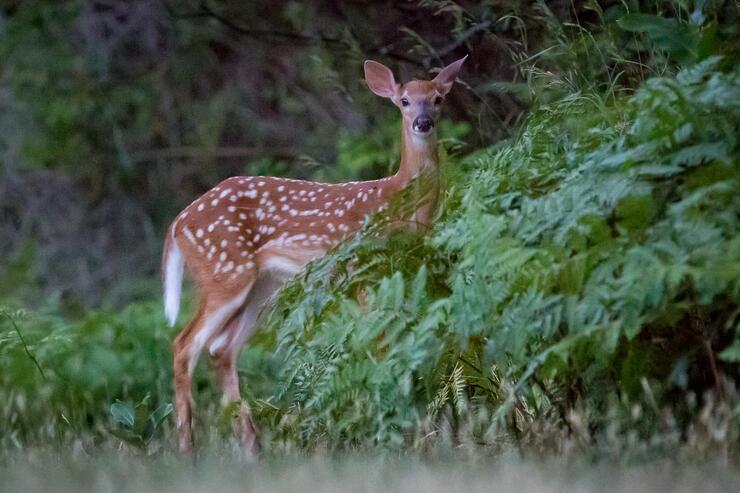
{"type": "Point", "coordinates": [419, 173]}
{"type": "Point", "coordinates": [418, 157]}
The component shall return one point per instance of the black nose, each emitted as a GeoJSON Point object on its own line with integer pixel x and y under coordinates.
{"type": "Point", "coordinates": [423, 124]}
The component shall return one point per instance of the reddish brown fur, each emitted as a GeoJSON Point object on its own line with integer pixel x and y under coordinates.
{"type": "Point", "coordinates": [244, 217]}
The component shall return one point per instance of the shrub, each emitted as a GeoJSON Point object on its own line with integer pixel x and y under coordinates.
{"type": "Point", "coordinates": [592, 261]}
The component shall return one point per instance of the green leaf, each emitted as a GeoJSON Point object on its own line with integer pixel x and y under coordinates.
{"type": "Point", "coordinates": [123, 414]}
{"type": "Point", "coordinates": [680, 39]}
{"type": "Point", "coordinates": [638, 22]}
{"type": "Point", "coordinates": [732, 353]}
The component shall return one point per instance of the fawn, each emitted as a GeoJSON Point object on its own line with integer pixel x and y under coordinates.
{"type": "Point", "coordinates": [243, 238]}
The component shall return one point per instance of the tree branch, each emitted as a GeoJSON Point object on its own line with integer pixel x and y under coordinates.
{"type": "Point", "coordinates": [292, 37]}
{"type": "Point", "coordinates": [194, 152]}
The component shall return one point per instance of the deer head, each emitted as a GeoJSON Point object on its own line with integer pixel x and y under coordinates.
{"type": "Point", "coordinates": [420, 101]}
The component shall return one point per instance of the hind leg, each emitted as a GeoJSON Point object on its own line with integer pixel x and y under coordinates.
{"type": "Point", "coordinates": [212, 315]}
{"type": "Point", "coordinates": [182, 381]}
{"type": "Point", "coordinates": [225, 349]}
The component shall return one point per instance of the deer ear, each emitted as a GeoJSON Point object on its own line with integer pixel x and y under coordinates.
{"type": "Point", "coordinates": [446, 77]}
{"type": "Point", "coordinates": [380, 79]}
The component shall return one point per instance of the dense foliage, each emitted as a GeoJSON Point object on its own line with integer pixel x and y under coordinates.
{"type": "Point", "coordinates": [579, 289]}
{"type": "Point", "coordinates": [596, 253]}
{"type": "Point", "coordinates": [591, 259]}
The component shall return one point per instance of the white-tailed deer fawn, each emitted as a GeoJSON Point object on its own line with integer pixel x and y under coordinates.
{"type": "Point", "coordinates": [242, 239]}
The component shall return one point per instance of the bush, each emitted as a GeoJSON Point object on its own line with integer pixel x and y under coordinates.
{"type": "Point", "coordinates": [58, 378]}
{"type": "Point", "coordinates": [593, 261]}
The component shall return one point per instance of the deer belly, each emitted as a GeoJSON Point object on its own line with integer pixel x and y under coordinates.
{"type": "Point", "coordinates": [284, 263]}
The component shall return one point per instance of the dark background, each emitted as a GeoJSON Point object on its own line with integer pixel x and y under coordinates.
{"type": "Point", "coordinates": [115, 114]}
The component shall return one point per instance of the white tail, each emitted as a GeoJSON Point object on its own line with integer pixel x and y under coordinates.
{"type": "Point", "coordinates": [242, 238]}
{"type": "Point", "coordinates": [173, 267]}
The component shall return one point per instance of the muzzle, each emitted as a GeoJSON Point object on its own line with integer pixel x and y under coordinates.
{"type": "Point", "coordinates": [422, 124]}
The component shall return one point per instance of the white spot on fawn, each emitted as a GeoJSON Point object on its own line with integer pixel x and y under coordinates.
{"type": "Point", "coordinates": [188, 235]}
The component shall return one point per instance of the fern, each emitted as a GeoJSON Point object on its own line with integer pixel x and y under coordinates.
{"type": "Point", "coordinates": [570, 243]}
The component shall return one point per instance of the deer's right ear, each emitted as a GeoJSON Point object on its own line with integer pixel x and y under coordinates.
{"type": "Point", "coordinates": [380, 79]}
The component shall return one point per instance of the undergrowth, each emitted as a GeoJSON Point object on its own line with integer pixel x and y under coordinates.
{"type": "Point", "coordinates": [578, 292]}
{"type": "Point", "coordinates": [590, 264]}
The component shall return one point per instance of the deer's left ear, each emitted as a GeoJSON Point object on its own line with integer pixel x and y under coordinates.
{"type": "Point", "coordinates": [446, 77]}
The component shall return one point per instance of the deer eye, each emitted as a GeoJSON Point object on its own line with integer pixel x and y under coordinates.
{"type": "Point", "coordinates": [404, 102]}
{"type": "Point", "coordinates": [438, 100]}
